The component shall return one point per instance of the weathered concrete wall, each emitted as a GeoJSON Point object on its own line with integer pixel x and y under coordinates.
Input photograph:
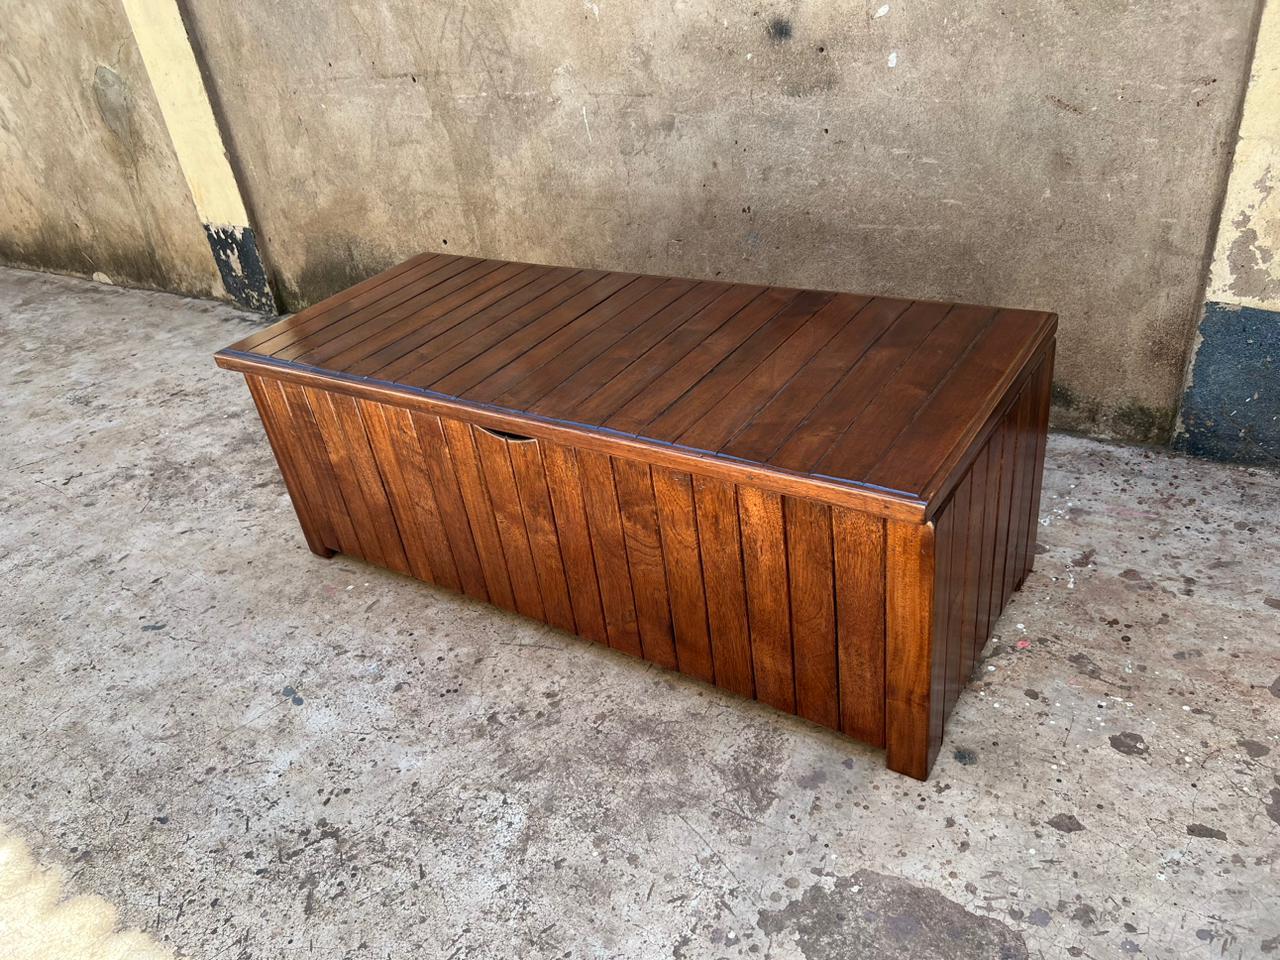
{"type": "Point", "coordinates": [1066, 155]}
{"type": "Point", "coordinates": [1231, 409]}
{"type": "Point", "coordinates": [88, 180]}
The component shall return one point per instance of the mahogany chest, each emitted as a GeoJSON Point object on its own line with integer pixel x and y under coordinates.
{"type": "Point", "coordinates": [820, 500]}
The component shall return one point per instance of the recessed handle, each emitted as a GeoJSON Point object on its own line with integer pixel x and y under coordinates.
{"type": "Point", "coordinates": [504, 435]}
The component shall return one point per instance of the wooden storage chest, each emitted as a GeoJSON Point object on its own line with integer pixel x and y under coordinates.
{"type": "Point", "coordinates": [820, 500]}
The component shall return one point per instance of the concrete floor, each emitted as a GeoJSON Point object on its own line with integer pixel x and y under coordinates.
{"type": "Point", "coordinates": [253, 752]}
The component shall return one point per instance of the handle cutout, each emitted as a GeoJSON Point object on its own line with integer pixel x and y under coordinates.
{"type": "Point", "coordinates": [504, 435]}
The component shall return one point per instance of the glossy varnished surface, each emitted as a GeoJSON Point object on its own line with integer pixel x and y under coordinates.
{"type": "Point", "coordinates": [769, 596]}
{"type": "Point", "coordinates": [818, 500]}
{"type": "Point", "coordinates": [884, 394]}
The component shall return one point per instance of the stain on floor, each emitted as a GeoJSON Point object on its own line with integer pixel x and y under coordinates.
{"type": "Point", "coordinates": [873, 915]}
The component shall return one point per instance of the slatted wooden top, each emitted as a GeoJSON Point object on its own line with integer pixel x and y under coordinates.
{"type": "Point", "coordinates": [874, 392]}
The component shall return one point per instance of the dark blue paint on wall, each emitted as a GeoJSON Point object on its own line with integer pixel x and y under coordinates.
{"type": "Point", "coordinates": [1231, 410]}
{"type": "Point", "coordinates": [235, 251]}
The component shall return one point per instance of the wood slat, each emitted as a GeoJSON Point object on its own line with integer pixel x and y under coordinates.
{"type": "Point", "coordinates": [443, 481]}
{"type": "Point", "coordinates": [777, 419]}
{"type": "Point", "coordinates": [316, 470]}
{"type": "Point", "coordinates": [544, 541]}
{"type": "Point", "coordinates": [973, 558]}
{"type": "Point", "coordinates": [1019, 505]}
{"type": "Point", "coordinates": [1040, 429]}
{"type": "Point", "coordinates": [715, 427]}
{"type": "Point", "coordinates": [664, 385]}
{"type": "Point", "coordinates": [715, 505]}
{"type": "Point", "coordinates": [409, 493]}
{"type": "Point", "coordinates": [1009, 445]}
{"type": "Point", "coordinates": [372, 304]}
{"type": "Point", "coordinates": [357, 474]}
{"type": "Point", "coordinates": [813, 618]}
{"type": "Point", "coordinates": [909, 656]}
{"type": "Point", "coordinates": [955, 587]}
{"type": "Point", "coordinates": [490, 328]}
{"type": "Point", "coordinates": [335, 305]}
{"type": "Point", "coordinates": [736, 366]}
{"type": "Point", "coordinates": [564, 484]}
{"type": "Point", "coordinates": [560, 350]}
{"type": "Point", "coordinates": [412, 350]}
{"type": "Point", "coordinates": [975, 384]}
{"type": "Point", "coordinates": [576, 345]}
{"type": "Point", "coordinates": [273, 413]}
{"type": "Point", "coordinates": [859, 386]}
{"type": "Point", "coordinates": [421, 499]}
{"type": "Point", "coordinates": [764, 554]}
{"type": "Point", "coordinates": [604, 519]}
{"type": "Point", "coordinates": [673, 495]}
{"type": "Point", "coordinates": [383, 344]}
{"type": "Point", "coordinates": [942, 644]}
{"type": "Point", "coordinates": [858, 544]}
{"type": "Point", "coordinates": [895, 408]}
{"type": "Point", "coordinates": [500, 484]}
{"type": "Point", "coordinates": [354, 340]}
{"type": "Point", "coordinates": [480, 513]}
{"type": "Point", "coordinates": [515, 341]}
{"type": "Point", "coordinates": [644, 560]}
{"type": "Point", "coordinates": [987, 574]}
{"type": "Point", "coordinates": [598, 387]}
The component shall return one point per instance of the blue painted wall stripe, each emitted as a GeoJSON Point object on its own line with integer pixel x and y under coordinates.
{"type": "Point", "coordinates": [1231, 410]}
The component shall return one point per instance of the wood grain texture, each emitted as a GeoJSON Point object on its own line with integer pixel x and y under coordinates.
{"type": "Point", "coordinates": [993, 453]}
{"type": "Point", "coordinates": [912, 730]}
{"type": "Point", "coordinates": [682, 555]}
{"type": "Point", "coordinates": [500, 484]}
{"type": "Point", "coordinates": [1043, 386]}
{"type": "Point", "coordinates": [564, 485]}
{"type": "Point", "coordinates": [764, 554]}
{"type": "Point", "coordinates": [716, 509]}
{"type": "Point", "coordinates": [604, 520]}
{"type": "Point", "coordinates": [941, 646]}
{"type": "Point", "coordinates": [278, 426]}
{"type": "Point", "coordinates": [544, 538]}
{"type": "Point", "coordinates": [645, 561]}
{"type": "Point", "coordinates": [418, 535]}
{"type": "Point", "coordinates": [316, 469]}
{"type": "Point", "coordinates": [443, 481]}
{"type": "Point", "coordinates": [358, 477]}
{"type": "Point", "coordinates": [813, 617]}
{"type": "Point", "coordinates": [974, 487]}
{"type": "Point", "coordinates": [960, 548]}
{"type": "Point", "coordinates": [479, 511]}
{"type": "Point", "coordinates": [858, 545]}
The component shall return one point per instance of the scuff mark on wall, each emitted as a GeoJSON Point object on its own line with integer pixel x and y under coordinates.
{"type": "Point", "coordinates": [112, 98]}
